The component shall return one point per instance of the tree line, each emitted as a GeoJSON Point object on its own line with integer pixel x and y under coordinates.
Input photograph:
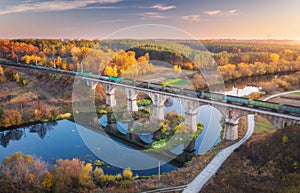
{"type": "Point", "coordinates": [23, 173]}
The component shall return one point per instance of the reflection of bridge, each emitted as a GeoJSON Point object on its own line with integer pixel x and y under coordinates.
{"type": "Point", "coordinates": [135, 141]}
{"type": "Point", "coordinates": [191, 105]}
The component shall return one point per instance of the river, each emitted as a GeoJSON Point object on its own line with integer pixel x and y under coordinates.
{"type": "Point", "coordinates": [66, 140]}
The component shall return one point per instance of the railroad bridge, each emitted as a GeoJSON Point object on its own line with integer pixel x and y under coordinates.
{"type": "Point", "coordinates": [230, 112]}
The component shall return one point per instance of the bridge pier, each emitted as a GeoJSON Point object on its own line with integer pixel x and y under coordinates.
{"type": "Point", "coordinates": [131, 105]}
{"type": "Point", "coordinates": [110, 95]}
{"type": "Point", "coordinates": [191, 121]}
{"type": "Point", "coordinates": [92, 84]}
{"type": "Point", "coordinates": [230, 130]}
{"type": "Point", "coordinates": [131, 100]}
{"type": "Point", "coordinates": [190, 113]}
{"type": "Point", "coordinates": [111, 100]}
{"type": "Point", "coordinates": [158, 112]}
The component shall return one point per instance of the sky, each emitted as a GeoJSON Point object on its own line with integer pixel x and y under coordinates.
{"type": "Point", "coordinates": [202, 19]}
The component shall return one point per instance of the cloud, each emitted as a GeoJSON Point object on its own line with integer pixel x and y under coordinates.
{"type": "Point", "coordinates": [152, 15]}
{"type": "Point", "coordinates": [191, 18]}
{"type": "Point", "coordinates": [54, 5]}
{"type": "Point", "coordinates": [232, 12]}
{"type": "Point", "coordinates": [162, 7]}
{"type": "Point", "coordinates": [213, 12]}
{"type": "Point", "coordinates": [219, 12]}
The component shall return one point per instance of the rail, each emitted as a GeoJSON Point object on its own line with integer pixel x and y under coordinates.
{"type": "Point", "coordinates": [175, 95]}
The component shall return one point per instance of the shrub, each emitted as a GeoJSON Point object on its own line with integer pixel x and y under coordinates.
{"type": "Point", "coordinates": [24, 173]}
{"type": "Point", "coordinates": [98, 173]}
{"type": "Point", "coordinates": [48, 182]}
{"type": "Point", "coordinates": [85, 176]}
{"type": "Point", "coordinates": [99, 163]}
{"type": "Point", "coordinates": [119, 177]}
{"type": "Point", "coordinates": [66, 175]}
{"type": "Point", "coordinates": [64, 116]}
{"type": "Point", "coordinates": [102, 111]}
{"type": "Point", "coordinates": [127, 174]}
{"type": "Point", "coordinates": [125, 184]}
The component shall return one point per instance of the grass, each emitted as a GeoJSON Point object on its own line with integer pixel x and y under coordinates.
{"type": "Point", "coordinates": [262, 124]}
{"type": "Point", "coordinates": [175, 82]}
{"type": "Point", "coordinates": [296, 93]}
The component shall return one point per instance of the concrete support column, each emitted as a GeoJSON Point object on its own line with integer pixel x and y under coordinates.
{"type": "Point", "coordinates": [131, 100]}
{"type": "Point", "coordinates": [111, 100]}
{"type": "Point", "coordinates": [230, 130]}
{"type": "Point", "coordinates": [91, 84]}
{"type": "Point", "coordinates": [191, 121]}
{"type": "Point", "coordinates": [158, 112]}
{"type": "Point", "coordinates": [131, 105]}
{"type": "Point", "coordinates": [110, 95]}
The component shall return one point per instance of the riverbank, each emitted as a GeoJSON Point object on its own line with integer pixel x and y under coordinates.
{"type": "Point", "coordinates": [45, 96]}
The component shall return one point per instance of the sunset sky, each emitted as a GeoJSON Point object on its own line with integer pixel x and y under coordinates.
{"type": "Point", "coordinates": [204, 19]}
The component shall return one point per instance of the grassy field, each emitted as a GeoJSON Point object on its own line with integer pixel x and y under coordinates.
{"type": "Point", "coordinates": [175, 82]}
{"type": "Point", "coordinates": [262, 124]}
{"type": "Point", "coordinates": [296, 93]}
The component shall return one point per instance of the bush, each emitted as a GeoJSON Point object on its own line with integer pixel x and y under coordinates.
{"type": "Point", "coordinates": [99, 163]}
{"type": "Point", "coordinates": [64, 116]}
{"type": "Point", "coordinates": [66, 175]}
{"type": "Point", "coordinates": [85, 177]}
{"type": "Point", "coordinates": [145, 102]}
{"type": "Point", "coordinates": [102, 111]}
{"type": "Point", "coordinates": [22, 173]}
{"type": "Point", "coordinates": [98, 173]}
{"type": "Point", "coordinates": [119, 177]}
{"type": "Point", "coordinates": [127, 174]}
{"type": "Point", "coordinates": [125, 184]}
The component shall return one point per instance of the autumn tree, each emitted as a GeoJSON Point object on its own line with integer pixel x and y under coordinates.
{"type": "Point", "coordinates": [127, 174]}
{"type": "Point", "coordinates": [10, 118]}
{"type": "Point", "coordinates": [274, 57]}
{"type": "Point", "coordinates": [66, 175]}
{"type": "Point", "coordinates": [244, 70]}
{"type": "Point", "coordinates": [85, 177]}
{"type": "Point", "coordinates": [24, 173]}
{"type": "Point", "coordinates": [2, 75]}
{"type": "Point", "coordinates": [111, 71]}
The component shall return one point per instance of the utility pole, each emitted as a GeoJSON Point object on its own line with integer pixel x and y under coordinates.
{"type": "Point", "coordinates": [159, 171]}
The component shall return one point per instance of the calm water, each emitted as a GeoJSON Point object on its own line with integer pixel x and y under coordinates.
{"type": "Point", "coordinates": [63, 139]}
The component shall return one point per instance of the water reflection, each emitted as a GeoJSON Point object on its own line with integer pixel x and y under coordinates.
{"type": "Point", "coordinates": [16, 134]}
{"type": "Point", "coordinates": [62, 139]}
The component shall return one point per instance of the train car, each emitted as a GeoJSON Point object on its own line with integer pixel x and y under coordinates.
{"type": "Point", "coordinates": [38, 67]}
{"type": "Point", "coordinates": [265, 105]}
{"type": "Point", "coordinates": [127, 81]}
{"type": "Point", "coordinates": [85, 74]}
{"type": "Point", "coordinates": [290, 109]}
{"type": "Point", "coordinates": [213, 96]}
{"type": "Point", "coordinates": [198, 93]}
{"type": "Point", "coordinates": [235, 99]}
{"type": "Point", "coordinates": [114, 79]}
{"type": "Point", "coordinates": [76, 73]}
{"type": "Point", "coordinates": [103, 77]}
{"type": "Point", "coordinates": [189, 92]}
{"type": "Point", "coordinates": [156, 86]}
{"type": "Point", "coordinates": [172, 89]}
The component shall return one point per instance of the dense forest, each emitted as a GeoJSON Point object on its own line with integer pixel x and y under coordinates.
{"type": "Point", "coordinates": [132, 57]}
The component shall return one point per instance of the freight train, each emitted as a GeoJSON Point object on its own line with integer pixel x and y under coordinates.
{"type": "Point", "coordinates": [269, 106]}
